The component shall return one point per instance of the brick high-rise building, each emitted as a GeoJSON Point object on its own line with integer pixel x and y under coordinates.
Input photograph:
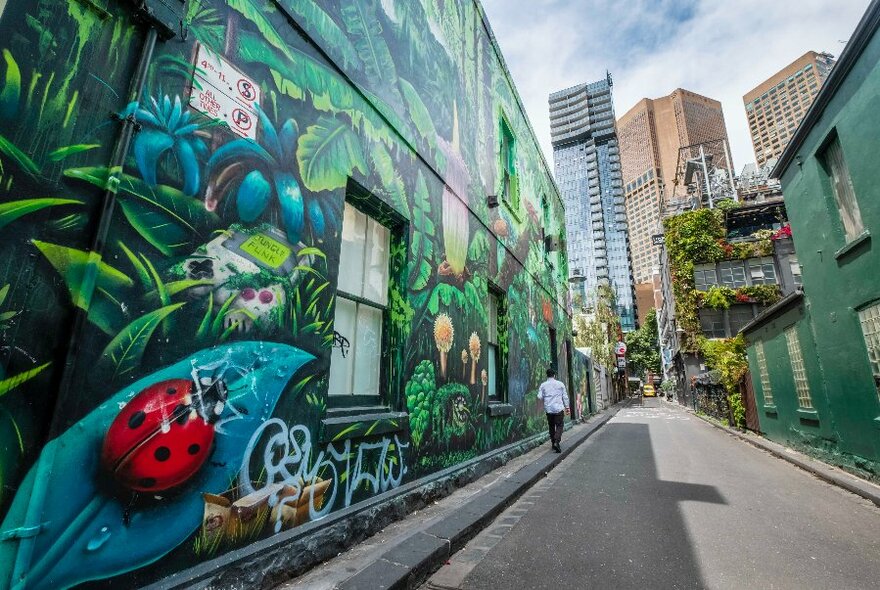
{"type": "Point", "coordinates": [776, 106]}
{"type": "Point", "coordinates": [652, 135]}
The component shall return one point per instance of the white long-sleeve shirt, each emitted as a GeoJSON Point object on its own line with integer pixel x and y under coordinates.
{"type": "Point", "coordinates": [552, 393]}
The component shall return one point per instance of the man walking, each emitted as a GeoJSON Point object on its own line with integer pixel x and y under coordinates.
{"type": "Point", "coordinates": [552, 393]}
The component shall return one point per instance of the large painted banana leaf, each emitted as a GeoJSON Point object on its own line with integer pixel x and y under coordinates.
{"type": "Point", "coordinates": [66, 525]}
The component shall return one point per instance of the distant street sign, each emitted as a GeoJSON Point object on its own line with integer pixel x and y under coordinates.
{"type": "Point", "coordinates": [621, 362]}
{"type": "Point", "coordinates": [657, 239]}
{"type": "Point", "coordinates": [620, 349]}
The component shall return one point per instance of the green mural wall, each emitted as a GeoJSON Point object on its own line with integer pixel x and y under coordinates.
{"type": "Point", "coordinates": [167, 302]}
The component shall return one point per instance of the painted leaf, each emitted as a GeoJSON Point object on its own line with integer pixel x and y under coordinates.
{"type": "Point", "coordinates": [164, 216]}
{"type": "Point", "coordinates": [81, 270]}
{"type": "Point", "coordinates": [419, 113]}
{"type": "Point", "coordinates": [322, 26]}
{"type": "Point", "coordinates": [328, 153]}
{"type": "Point", "coordinates": [85, 536]}
{"type": "Point", "coordinates": [479, 246]}
{"type": "Point", "coordinates": [11, 211]}
{"type": "Point", "coordinates": [10, 383]}
{"type": "Point", "coordinates": [124, 352]}
{"type": "Point", "coordinates": [248, 10]}
{"type": "Point", "coordinates": [8, 149]}
{"type": "Point", "coordinates": [69, 150]}
{"type": "Point", "coordinates": [366, 33]}
{"type": "Point", "coordinates": [11, 91]}
{"type": "Point", "coordinates": [392, 183]}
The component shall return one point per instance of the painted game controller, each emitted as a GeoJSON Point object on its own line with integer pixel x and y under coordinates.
{"type": "Point", "coordinates": [254, 267]}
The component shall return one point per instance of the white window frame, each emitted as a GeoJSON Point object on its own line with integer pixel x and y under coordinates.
{"type": "Point", "coordinates": [365, 286]}
{"type": "Point", "coordinates": [842, 188]}
{"type": "Point", "coordinates": [764, 375]}
{"type": "Point", "coordinates": [869, 320]}
{"type": "Point", "coordinates": [798, 369]}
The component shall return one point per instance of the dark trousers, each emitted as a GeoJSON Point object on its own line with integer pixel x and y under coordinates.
{"type": "Point", "coordinates": [556, 422]}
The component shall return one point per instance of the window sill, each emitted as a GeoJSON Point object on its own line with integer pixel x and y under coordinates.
{"type": "Point", "coordinates": [857, 241]}
{"type": "Point", "coordinates": [499, 409]}
{"type": "Point", "coordinates": [359, 422]}
{"type": "Point", "coordinates": [810, 415]}
{"type": "Point", "coordinates": [877, 422]}
{"type": "Point", "coordinates": [770, 410]}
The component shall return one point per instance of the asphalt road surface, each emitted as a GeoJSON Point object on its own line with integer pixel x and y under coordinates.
{"type": "Point", "coordinates": [660, 499]}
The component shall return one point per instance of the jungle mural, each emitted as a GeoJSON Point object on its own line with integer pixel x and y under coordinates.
{"type": "Point", "coordinates": [167, 301]}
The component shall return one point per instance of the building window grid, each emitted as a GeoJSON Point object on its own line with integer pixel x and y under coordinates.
{"type": "Point", "coordinates": [869, 318]}
{"type": "Point", "coordinates": [798, 370]}
{"type": "Point", "coordinates": [766, 390]}
{"type": "Point", "coordinates": [841, 186]}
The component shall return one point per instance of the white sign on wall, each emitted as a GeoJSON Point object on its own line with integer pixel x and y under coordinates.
{"type": "Point", "coordinates": [222, 92]}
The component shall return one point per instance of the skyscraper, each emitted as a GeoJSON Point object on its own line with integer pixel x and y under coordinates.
{"type": "Point", "coordinates": [587, 161]}
{"type": "Point", "coordinates": [654, 135]}
{"type": "Point", "coordinates": [776, 106]}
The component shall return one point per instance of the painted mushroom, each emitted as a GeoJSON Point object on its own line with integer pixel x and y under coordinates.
{"type": "Point", "coordinates": [474, 345]}
{"type": "Point", "coordinates": [464, 363]}
{"type": "Point", "coordinates": [443, 335]}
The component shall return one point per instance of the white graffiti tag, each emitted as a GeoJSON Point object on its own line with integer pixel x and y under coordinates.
{"type": "Point", "coordinates": [290, 461]}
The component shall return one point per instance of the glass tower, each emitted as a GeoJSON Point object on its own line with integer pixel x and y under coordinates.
{"type": "Point", "coordinates": [587, 162]}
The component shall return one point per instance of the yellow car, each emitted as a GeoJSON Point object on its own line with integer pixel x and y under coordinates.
{"type": "Point", "coordinates": [648, 391]}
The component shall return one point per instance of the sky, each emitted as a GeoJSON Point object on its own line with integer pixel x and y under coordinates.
{"type": "Point", "coordinates": [721, 49]}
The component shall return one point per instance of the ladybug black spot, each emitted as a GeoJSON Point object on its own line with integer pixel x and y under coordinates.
{"type": "Point", "coordinates": [194, 449]}
{"type": "Point", "coordinates": [162, 454]}
{"type": "Point", "coordinates": [147, 482]}
{"type": "Point", "coordinates": [171, 390]}
{"type": "Point", "coordinates": [137, 419]}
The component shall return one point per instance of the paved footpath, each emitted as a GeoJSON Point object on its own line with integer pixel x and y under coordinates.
{"type": "Point", "coordinates": [659, 499]}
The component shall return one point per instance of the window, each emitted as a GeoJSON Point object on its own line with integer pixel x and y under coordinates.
{"type": "Point", "coordinates": [733, 273]}
{"type": "Point", "coordinates": [712, 323]}
{"type": "Point", "coordinates": [762, 373]}
{"type": "Point", "coordinates": [497, 331]}
{"type": "Point", "coordinates": [798, 370]}
{"type": "Point", "coordinates": [739, 316]}
{"type": "Point", "coordinates": [795, 270]}
{"type": "Point", "coordinates": [762, 271]}
{"type": "Point", "coordinates": [705, 277]}
{"type": "Point", "coordinates": [869, 318]}
{"type": "Point", "coordinates": [361, 301]}
{"type": "Point", "coordinates": [509, 181]}
{"type": "Point", "coordinates": [841, 186]}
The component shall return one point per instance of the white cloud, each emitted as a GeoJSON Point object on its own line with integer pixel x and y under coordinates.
{"type": "Point", "coordinates": [651, 47]}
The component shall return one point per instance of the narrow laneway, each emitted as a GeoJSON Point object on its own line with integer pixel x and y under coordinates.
{"type": "Point", "coordinates": [660, 499]}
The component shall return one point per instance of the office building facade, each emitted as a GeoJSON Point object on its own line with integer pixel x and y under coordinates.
{"type": "Point", "coordinates": [587, 164]}
{"type": "Point", "coordinates": [776, 107]}
{"type": "Point", "coordinates": [654, 134]}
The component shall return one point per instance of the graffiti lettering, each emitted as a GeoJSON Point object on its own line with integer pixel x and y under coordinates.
{"type": "Point", "coordinates": [302, 475]}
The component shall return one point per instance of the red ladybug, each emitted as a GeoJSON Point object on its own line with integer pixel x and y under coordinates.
{"type": "Point", "coordinates": [163, 436]}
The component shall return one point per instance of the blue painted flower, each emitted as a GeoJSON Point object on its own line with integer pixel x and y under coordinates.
{"type": "Point", "coordinates": [167, 126]}
{"type": "Point", "coordinates": [259, 174]}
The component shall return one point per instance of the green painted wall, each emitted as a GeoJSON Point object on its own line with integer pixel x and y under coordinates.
{"type": "Point", "coordinates": [220, 262]}
{"type": "Point", "coordinates": [836, 286]}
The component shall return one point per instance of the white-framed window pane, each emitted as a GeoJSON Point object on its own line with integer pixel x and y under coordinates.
{"type": "Point", "coordinates": [351, 255]}
{"type": "Point", "coordinates": [376, 263]}
{"type": "Point", "coordinates": [869, 318]}
{"type": "Point", "coordinates": [492, 371]}
{"type": "Point", "coordinates": [763, 374]}
{"type": "Point", "coordinates": [844, 194]}
{"type": "Point", "coordinates": [798, 370]}
{"type": "Point", "coordinates": [368, 349]}
{"type": "Point", "coordinates": [341, 366]}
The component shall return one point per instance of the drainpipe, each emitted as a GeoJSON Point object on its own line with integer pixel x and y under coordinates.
{"type": "Point", "coordinates": [130, 126]}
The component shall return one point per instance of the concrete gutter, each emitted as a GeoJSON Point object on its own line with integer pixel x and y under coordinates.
{"type": "Point", "coordinates": [411, 559]}
{"type": "Point", "coordinates": [823, 471]}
